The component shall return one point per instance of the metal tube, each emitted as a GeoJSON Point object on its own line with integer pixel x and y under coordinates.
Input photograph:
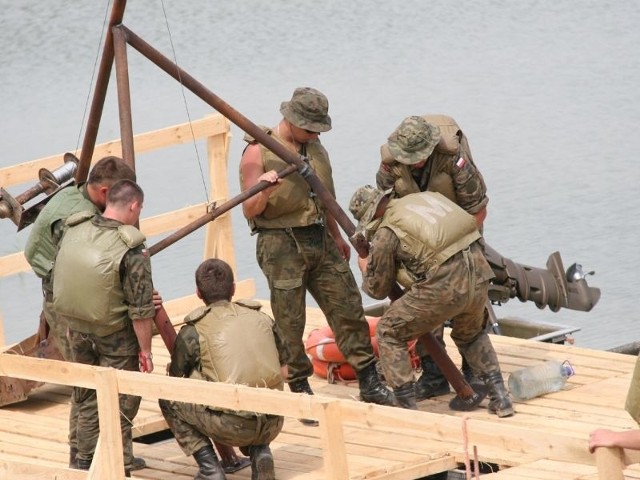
{"type": "Point", "coordinates": [225, 207]}
{"type": "Point", "coordinates": [124, 97]}
{"type": "Point", "coordinates": [99, 94]}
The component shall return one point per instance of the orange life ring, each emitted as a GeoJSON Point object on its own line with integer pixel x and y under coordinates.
{"type": "Point", "coordinates": [327, 359]}
{"type": "Point", "coordinates": [321, 343]}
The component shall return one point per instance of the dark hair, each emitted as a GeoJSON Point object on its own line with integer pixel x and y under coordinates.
{"type": "Point", "coordinates": [124, 192]}
{"type": "Point", "coordinates": [214, 279]}
{"type": "Point", "coordinates": [109, 170]}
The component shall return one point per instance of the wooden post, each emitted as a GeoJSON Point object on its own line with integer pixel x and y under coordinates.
{"type": "Point", "coordinates": [218, 234]}
{"type": "Point", "coordinates": [108, 459]}
{"type": "Point", "coordinates": [332, 437]}
{"type": "Point", "coordinates": [610, 464]}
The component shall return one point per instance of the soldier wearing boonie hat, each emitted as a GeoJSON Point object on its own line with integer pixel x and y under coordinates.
{"type": "Point", "coordinates": [431, 153]}
{"type": "Point", "coordinates": [364, 203]}
{"type": "Point", "coordinates": [431, 246]}
{"type": "Point", "coordinates": [299, 246]}
{"type": "Point", "coordinates": [308, 109]}
{"type": "Point", "coordinates": [413, 141]}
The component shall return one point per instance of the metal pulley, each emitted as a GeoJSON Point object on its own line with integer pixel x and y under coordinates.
{"type": "Point", "coordinates": [49, 183]}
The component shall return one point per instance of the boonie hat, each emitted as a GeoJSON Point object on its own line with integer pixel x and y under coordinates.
{"type": "Point", "coordinates": [308, 109]}
{"type": "Point", "coordinates": [364, 203]}
{"type": "Point", "coordinates": [413, 141]}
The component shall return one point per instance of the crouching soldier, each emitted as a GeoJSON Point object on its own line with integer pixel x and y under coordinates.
{"type": "Point", "coordinates": [432, 247]}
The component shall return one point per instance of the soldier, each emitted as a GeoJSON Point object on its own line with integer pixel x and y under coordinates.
{"type": "Point", "coordinates": [231, 342]}
{"type": "Point", "coordinates": [41, 247]}
{"type": "Point", "coordinates": [102, 285]}
{"type": "Point", "coordinates": [300, 249]}
{"type": "Point", "coordinates": [431, 245]}
{"type": "Point", "coordinates": [431, 153]}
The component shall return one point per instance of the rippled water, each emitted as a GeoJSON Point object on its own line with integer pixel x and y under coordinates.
{"type": "Point", "coordinates": [546, 92]}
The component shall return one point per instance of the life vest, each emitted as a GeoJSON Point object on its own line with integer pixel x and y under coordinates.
{"type": "Point", "coordinates": [436, 173]}
{"type": "Point", "coordinates": [87, 288]}
{"type": "Point", "coordinates": [40, 250]}
{"type": "Point", "coordinates": [430, 228]}
{"type": "Point", "coordinates": [237, 345]}
{"type": "Point", "coordinates": [329, 362]}
{"type": "Point", "coordinates": [293, 204]}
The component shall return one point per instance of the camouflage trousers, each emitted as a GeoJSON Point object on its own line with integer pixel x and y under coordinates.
{"type": "Point", "coordinates": [195, 425]}
{"type": "Point", "coordinates": [59, 331]}
{"type": "Point", "coordinates": [118, 350]}
{"type": "Point", "coordinates": [451, 292]}
{"type": "Point", "coordinates": [297, 260]}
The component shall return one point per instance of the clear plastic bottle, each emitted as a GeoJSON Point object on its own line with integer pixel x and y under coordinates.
{"type": "Point", "coordinates": [539, 379]}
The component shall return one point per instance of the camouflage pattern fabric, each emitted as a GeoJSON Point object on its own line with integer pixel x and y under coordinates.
{"type": "Point", "coordinates": [305, 259]}
{"type": "Point", "coordinates": [456, 291]}
{"type": "Point", "coordinates": [413, 141]}
{"type": "Point", "coordinates": [307, 109]}
{"type": "Point", "coordinates": [193, 425]}
{"type": "Point", "coordinates": [469, 188]}
{"type": "Point", "coordinates": [118, 350]}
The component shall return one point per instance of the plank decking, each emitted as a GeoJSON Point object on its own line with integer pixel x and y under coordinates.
{"type": "Point", "coordinates": [546, 439]}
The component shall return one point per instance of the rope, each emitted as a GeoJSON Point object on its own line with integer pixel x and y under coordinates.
{"type": "Point", "coordinates": [105, 22]}
{"type": "Point", "coordinates": [184, 99]}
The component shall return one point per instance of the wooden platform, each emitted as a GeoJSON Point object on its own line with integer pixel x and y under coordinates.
{"type": "Point", "coordinates": [546, 439]}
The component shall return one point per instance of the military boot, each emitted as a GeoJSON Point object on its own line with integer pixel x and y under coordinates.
{"type": "Point", "coordinates": [261, 463]}
{"type": "Point", "coordinates": [499, 401]}
{"type": "Point", "coordinates": [209, 467]}
{"type": "Point", "coordinates": [432, 382]}
{"type": "Point", "coordinates": [372, 390]}
{"type": "Point", "coordinates": [83, 464]}
{"type": "Point", "coordinates": [302, 386]}
{"type": "Point", "coordinates": [406, 396]}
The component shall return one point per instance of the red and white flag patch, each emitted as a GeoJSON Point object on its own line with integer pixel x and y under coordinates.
{"type": "Point", "coordinates": [461, 162]}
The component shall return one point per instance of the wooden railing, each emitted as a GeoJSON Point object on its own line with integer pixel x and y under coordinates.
{"type": "Point", "coordinates": [332, 413]}
{"type": "Point", "coordinates": [215, 130]}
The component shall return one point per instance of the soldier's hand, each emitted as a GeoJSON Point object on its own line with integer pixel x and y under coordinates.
{"type": "Point", "coordinates": [157, 299]}
{"type": "Point", "coordinates": [145, 361]}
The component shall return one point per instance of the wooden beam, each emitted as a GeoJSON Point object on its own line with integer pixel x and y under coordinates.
{"type": "Point", "coordinates": [610, 463]}
{"type": "Point", "coordinates": [143, 142]}
{"type": "Point", "coordinates": [329, 414]}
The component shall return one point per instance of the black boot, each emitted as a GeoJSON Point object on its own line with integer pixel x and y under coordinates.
{"type": "Point", "coordinates": [302, 386]}
{"type": "Point", "coordinates": [499, 401]}
{"type": "Point", "coordinates": [406, 396]}
{"type": "Point", "coordinates": [73, 461]}
{"type": "Point", "coordinates": [372, 390]}
{"type": "Point", "coordinates": [83, 464]}
{"type": "Point", "coordinates": [209, 465]}
{"type": "Point", "coordinates": [261, 463]}
{"type": "Point", "coordinates": [432, 382]}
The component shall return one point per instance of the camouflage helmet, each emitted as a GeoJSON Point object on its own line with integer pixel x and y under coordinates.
{"type": "Point", "coordinates": [364, 203]}
{"type": "Point", "coordinates": [413, 141]}
{"type": "Point", "coordinates": [308, 109]}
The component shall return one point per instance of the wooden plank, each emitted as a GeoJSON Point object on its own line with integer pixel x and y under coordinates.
{"type": "Point", "coordinates": [145, 142]}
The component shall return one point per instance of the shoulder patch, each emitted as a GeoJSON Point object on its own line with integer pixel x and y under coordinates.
{"type": "Point", "coordinates": [252, 304]}
{"type": "Point", "coordinates": [197, 314]}
{"type": "Point", "coordinates": [131, 236]}
{"type": "Point", "coordinates": [79, 217]}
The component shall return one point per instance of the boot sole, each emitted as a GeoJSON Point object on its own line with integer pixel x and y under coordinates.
{"type": "Point", "coordinates": [264, 468]}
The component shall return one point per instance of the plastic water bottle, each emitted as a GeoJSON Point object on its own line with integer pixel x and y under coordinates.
{"type": "Point", "coordinates": [539, 379]}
